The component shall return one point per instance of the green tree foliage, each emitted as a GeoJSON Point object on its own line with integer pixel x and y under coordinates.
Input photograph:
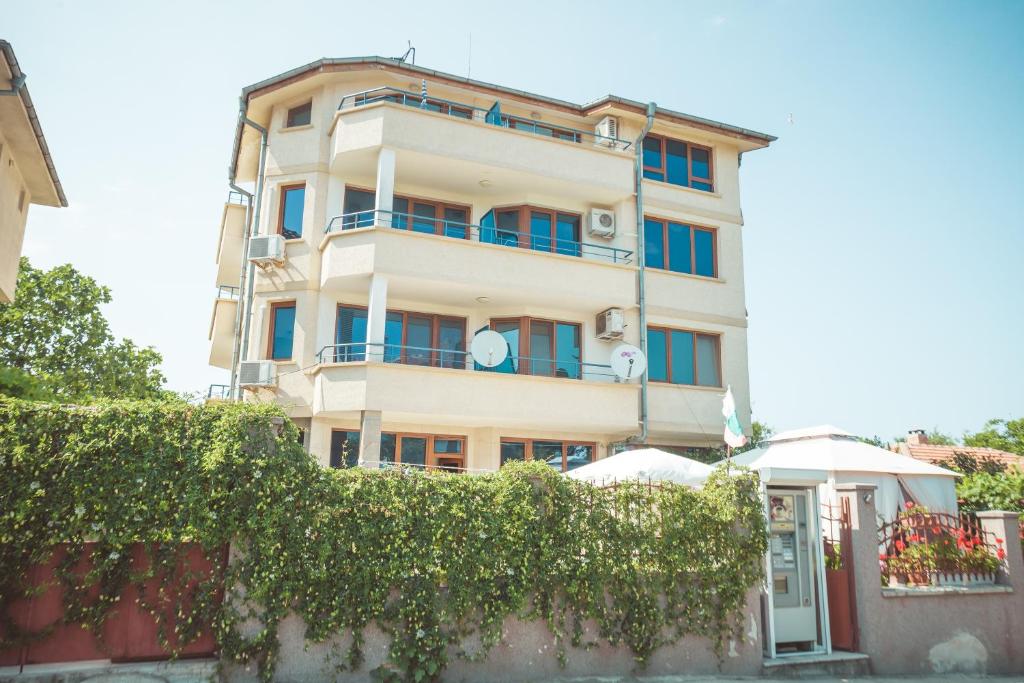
{"type": "Point", "coordinates": [436, 561]}
{"type": "Point", "coordinates": [991, 491]}
{"type": "Point", "coordinates": [55, 342]}
{"type": "Point", "coordinates": [1003, 435]}
{"type": "Point", "coordinates": [761, 433]}
{"type": "Point", "coordinates": [937, 438]}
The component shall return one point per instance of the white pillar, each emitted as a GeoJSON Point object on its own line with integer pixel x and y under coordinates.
{"type": "Point", "coordinates": [376, 314]}
{"type": "Point", "coordinates": [385, 197]}
{"type": "Point", "coordinates": [369, 438]}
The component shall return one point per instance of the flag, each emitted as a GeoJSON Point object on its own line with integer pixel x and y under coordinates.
{"type": "Point", "coordinates": [733, 431]}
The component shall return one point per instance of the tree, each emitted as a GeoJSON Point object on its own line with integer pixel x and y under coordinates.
{"type": "Point", "coordinates": [55, 342]}
{"type": "Point", "coordinates": [761, 433]}
{"type": "Point", "coordinates": [1003, 435]}
{"type": "Point", "coordinates": [939, 439]}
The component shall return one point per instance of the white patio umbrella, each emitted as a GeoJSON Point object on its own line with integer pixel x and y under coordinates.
{"type": "Point", "coordinates": [645, 464]}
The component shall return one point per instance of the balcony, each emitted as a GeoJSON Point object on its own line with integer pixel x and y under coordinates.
{"type": "Point", "coordinates": [691, 412]}
{"type": "Point", "coordinates": [229, 244]}
{"type": "Point", "coordinates": [456, 262]}
{"type": "Point", "coordinates": [218, 393]}
{"type": "Point", "coordinates": [222, 327]}
{"type": "Point", "coordinates": [445, 387]}
{"type": "Point", "coordinates": [465, 146]}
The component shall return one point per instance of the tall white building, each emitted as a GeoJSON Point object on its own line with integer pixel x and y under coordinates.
{"type": "Point", "coordinates": [396, 211]}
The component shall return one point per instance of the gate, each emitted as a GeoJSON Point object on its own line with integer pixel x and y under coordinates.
{"type": "Point", "coordinates": [839, 582]}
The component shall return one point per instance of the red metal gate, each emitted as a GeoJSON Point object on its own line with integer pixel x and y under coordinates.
{"type": "Point", "coordinates": [842, 593]}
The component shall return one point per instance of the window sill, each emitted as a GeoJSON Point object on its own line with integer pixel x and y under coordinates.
{"type": "Point", "coordinates": [702, 193]}
{"type": "Point", "coordinates": [688, 276]}
{"type": "Point", "coordinates": [296, 129]}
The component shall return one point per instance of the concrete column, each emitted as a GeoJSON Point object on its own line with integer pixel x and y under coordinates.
{"type": "Point", "coordinates": [369, 438]}
{"type": "Point", "coordinates": [376, 315]}
{"type": "Point", "coordinates": [385, 197]}
{"type": "Point", "coordinates": [1005, 527]}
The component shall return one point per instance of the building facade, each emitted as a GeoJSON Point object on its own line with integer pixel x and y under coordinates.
{"type": "Point", "coordinates": [27, 173]}
{"type": "Point", "coordinates": [394, 212]}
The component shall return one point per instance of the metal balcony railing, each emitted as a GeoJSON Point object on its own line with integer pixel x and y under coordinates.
{"type": "Point", "coordinates": [485, 234]}
{"type": "Point", "coordinates": [220, 392]}
{"type": "Point", "coordinates": [456, 359]}
{"type": "Point", "coordinates": [227, 292]}
{"type": "Point", "coordinates": [235, 197]}
{"type": "Point", "coordinates": [471, 112]}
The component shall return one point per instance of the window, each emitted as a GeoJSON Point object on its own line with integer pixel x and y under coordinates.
{"type": "Point", "coordinates": [557, 132]}
{"type": "Point", "coordinates": [289, 219]}
{"type": "Point", "coordinates": [423, 450]}
{"type": "Point", "coordinates": [282, 330]}
{"type": "Point", "coordinates": [344, 448]}
{"type": "Point", "coordinates": [301, 115]}
{"type": "Point", "coordinates": [680, 248]}
{"type": "Point", "coordinates": [420, 215]}
{"type": "Point", "coordinates": [677, 162]}
{"type": "Point", "coordinates": [534, 228]}
{"type": "Point", "coordinates": [560, 455]}
{"type": "Point", "coordinates": [549, 348]}
{"type": "Point", "coordinates": [409, 338]}
{"type": "Point", "coordinates": [684, 357]}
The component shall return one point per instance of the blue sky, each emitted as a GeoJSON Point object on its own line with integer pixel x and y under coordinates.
{"type": "Point", "coordinates": [884, 230]}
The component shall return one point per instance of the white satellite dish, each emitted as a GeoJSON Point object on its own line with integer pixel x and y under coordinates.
{"type": "Point", "coordinates": [628, 361]}
{"type": "Point", "coordinates": [489, 348]}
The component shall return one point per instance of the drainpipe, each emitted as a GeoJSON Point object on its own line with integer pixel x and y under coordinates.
{"type": "Point", "coordinates": [256, 204]}
{"type": "Point", "coordinates": [237, 342]}
{"type": "Point", "coordinates": [641, 266]}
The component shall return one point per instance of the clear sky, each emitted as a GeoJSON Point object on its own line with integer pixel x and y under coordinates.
{"type": "Point", "coordinates": [884, 230]}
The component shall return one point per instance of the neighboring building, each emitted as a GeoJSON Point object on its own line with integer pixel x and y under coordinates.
{"type": "Point", "coordinates": [410, 222]}
{"type": "Point", "coordinates": [27, 174]}
{"type": "Point", "coordinates": [917, 446]}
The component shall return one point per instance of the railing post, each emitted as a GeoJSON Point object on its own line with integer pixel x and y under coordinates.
{"type": "Point", "coordinates": [1005, 526]}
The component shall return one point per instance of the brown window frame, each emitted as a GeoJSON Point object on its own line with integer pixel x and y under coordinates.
{"type": "Point", "coordinates": [439, 207]}
{"type": "Point", "coordinates": [288, 115]}
{"type": "Point", "coordinates": [524, 235]}
{"type": "Point", "coordinates": [435, 331]}
{"type": "Point", "coordinates": [525, 350]}
{"type": "Point", "coordinates": [693, 244]}
{"type": "Point", "coordinates": [696, 369]}
{"type": "Point", "coordinates": [433, 458]}
{"type": "Point", "coordinates": [274, 305]}
{"type": "Point", "coordinates": [690, 178]}
{"type": "Point", "coordinates": [528, 446]}
{"type": "Point", "coordinates": [282, 191]}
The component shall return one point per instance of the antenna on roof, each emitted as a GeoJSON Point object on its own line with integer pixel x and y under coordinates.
{"type": "Point", "coordinates": [410, 51]}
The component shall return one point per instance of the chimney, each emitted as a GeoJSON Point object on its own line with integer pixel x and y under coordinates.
{"type": "Point", "coordinates": [916, 437]}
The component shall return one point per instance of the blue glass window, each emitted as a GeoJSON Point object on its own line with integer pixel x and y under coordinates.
{"type": "Point", "coordinates": [358, 208]}
{"type": "Point", "coordinates": [350, 335]}
{"type": "Point", "coordinates": [509, 329]}
{"type": "Point", "coordinates": [512, 450]}
{"type": "Point", "coordinates": [578, 455]}
{"type": "Point", "coordinates": [301, 115]}
{"type": "Point", "coordinates": [679, 248]}
{"type": "Point", "coordinates": [508, 228]}
{"type": "Point", "coordinates": [653, 159]}
{"type": "Point", "coordinates": [568, 234]}
{"type": "Point", "coordinates": [487, 232]}
{"type": "Point", "coordinates": [282, 330]}
{"type": "Point", "coordinates": [683, 357]}
{"type": "Point", "coordinates": [400, 213]}
{"type": "Point", "coordinates": [675, 163]}
{"type": "Point", "coordinates": [456, 222]}
{"type": "Point", "coordinates": [657, 356]}
{"type": "Point", "coordinates": [707, 361]}
{"type": "Point", "coordinates": [567, 351]}
{"type": "Point", "coordinates": [540, 231]}
{"type": "Point", "coordinates": [344, 448]}
{"type": "Point", "coordinates": [293, 201]}
{"type": "Point", "coordinates": [549, 452]}
{"type": "Point", "coordinates": [419, 333]}
{"type": "Point", "coordinates": [654, 243]}
{"type": "Point", "coordinates": [414, 451]}
{"type": "Point", "coordinates": [701, 167]}
{"type": "Point", "coordinates": [681, 369]}
{"type": "Point", "coordinates": [704, 252]}
{"type": "Point", "coordinates": [388, 448]}
{"type": "Point", "coordinates": [542, 348]}
{"type": "Point", "coordinates": [423, 218]}
{"type": "Point", "coordinates": [394, 327]}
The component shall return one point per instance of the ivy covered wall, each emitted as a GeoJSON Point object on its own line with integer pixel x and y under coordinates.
{"type": "Point", "coordinates": [432, 560]}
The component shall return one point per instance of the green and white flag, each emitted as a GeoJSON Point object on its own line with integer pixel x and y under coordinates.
{"type": "Point", "coordinates": [733, 431]}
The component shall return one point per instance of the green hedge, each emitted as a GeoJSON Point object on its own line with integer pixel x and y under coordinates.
{"type": "Point", "coordinates": [429, 558]}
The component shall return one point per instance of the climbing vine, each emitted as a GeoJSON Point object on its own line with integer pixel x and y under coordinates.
{"type": "Point", "coordinates": [435, 560]}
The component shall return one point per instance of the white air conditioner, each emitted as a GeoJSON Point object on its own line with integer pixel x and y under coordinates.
{"type": "Point", "coordinates": [601, 223]}
{"type": "Point", "coordinates": [607, 131]}
{"type": "Point", "coordinates": [257, 373]}
{"type": "Point", "coordinates": [266, 249]}
{"type": "Point", "coordinates": [610, 324]}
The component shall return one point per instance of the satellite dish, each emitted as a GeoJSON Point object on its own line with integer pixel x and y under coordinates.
{"type": "Point", "coordinates": [628, 361]}
{"type": "Point", "coordinates": [489, 348]}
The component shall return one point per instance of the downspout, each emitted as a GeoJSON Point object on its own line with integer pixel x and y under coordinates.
{"type": "Point", "coordinates": [641, 266]}
{"type": "Point", "coordinates": [237, 343]}
{"type": "Point", "coordinates": [255, 204]}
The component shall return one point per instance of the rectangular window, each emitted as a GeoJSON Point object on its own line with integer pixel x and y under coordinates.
{"type": "Point", "coordinates": [344, 448]}
{"type": "Point", "coordinates": [684, 357]}
{"type": "Point", "coordinates": [409, 338]}
{"type": "Point", "coordinates": [282, 330]}
{"type": "Point", "coordinates": [358, 208]}
{"type": "Point", "coordinates": [417, 450]}
{"type": "Point", "coordinates": [293, 202]}
{"type": "Point", "coordinates": [677, 162]}
{"type": "Point", "coordinates": [680, 248]}
{"type": "Point", "coordinates": [534, 228]}
{"type": "Point", "coordinates": [548, 348]}
{"type": "Point", "coordinates": [559, 455]}
{"type": "Point", "coordinates": [408, 213]}
{"type": "Point", "coordinates": [301, 115]}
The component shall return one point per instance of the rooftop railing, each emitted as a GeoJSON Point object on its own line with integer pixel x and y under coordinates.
{"type": "Point", "coordinates": [484, 234]}
{"type": "Point", "coordinates": [456, 359]}
{"type": "Point", "coordinates": [227, 292]}
{"type": "Point", "coordinates": [471, 112]}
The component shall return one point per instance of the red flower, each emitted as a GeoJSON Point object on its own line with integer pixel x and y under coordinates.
{"type": "Point", "coordinates": [883, 557]}
{"type": "Point", "coordinates": [910, 504]}
{"type": "Point", "coordinates": [900, 545]}
{"type": "Point", "coordinates": [915, 538]}
{"type": "Point", "coordinates": [1001, 554]}
{"type": "Point", "coordinates": [999, 541]}
{"type": "Point", "coordinates": [936, 530]}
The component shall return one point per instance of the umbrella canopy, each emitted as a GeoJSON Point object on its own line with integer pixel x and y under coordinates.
{"type": "Point", "coordinates": [645, 464]}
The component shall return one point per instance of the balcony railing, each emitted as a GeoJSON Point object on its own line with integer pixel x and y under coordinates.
{"type": "Point", "coordinates": [470, 112]}
{"type": "Point", "coordinates": [484, 234]}
{"type": "Point", "coordinates": [461, 360]}
{"type": "Point", "coordinates": [227, 292]}
{"type": "Point", "coordinates": [219, 392]}
{"type": "Point", "coordinates": [235, 197]}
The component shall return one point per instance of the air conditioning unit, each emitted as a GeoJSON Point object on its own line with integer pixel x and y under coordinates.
{"type": "Point", "coordinates": [607, 131]}
{"type": "Point", "coordinates": [601, 223]}
{"type": "Point", "coordinates": [257, 373]}
{"type": "Point", "coordinates": [610, 324]}
{"type": "Point", "coordinates": [266, 249]}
